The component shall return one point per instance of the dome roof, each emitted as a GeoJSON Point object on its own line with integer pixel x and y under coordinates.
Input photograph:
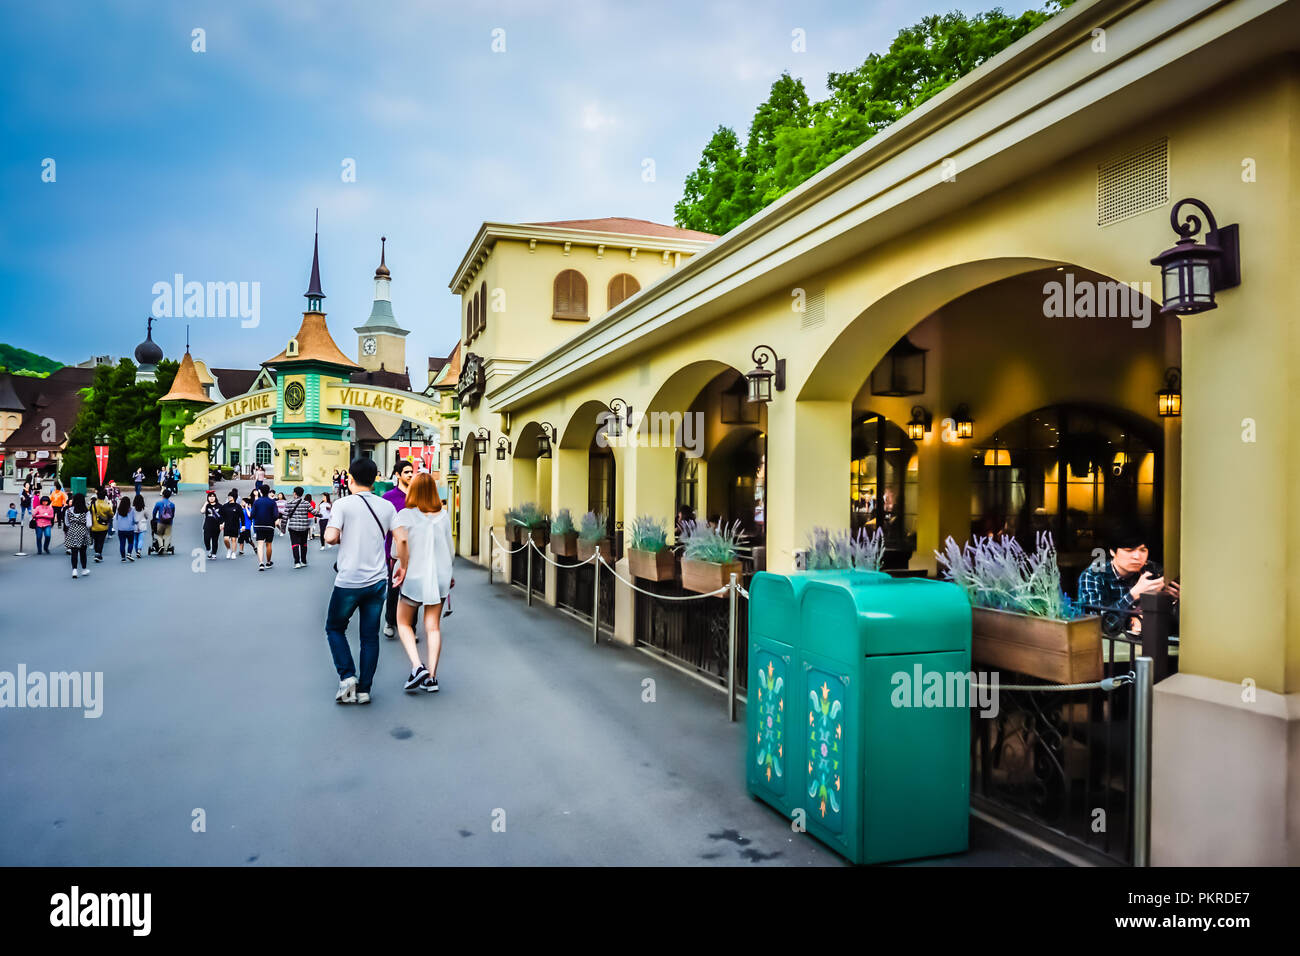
{"type": "Point", "coordinates": [148, 352]}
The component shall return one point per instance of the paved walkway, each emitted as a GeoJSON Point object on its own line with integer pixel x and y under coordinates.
{"type": "Point", "coordinates": [218, 694]}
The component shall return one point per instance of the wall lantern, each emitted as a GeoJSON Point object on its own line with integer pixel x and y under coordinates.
{"type": "Point", "coordinates": [737, 409]}
{"type": "Point", "coordinates": [1171, 396]}
{"type": "Point", "coordinates": [901, 371]}
{"type": "Point", "coordinates": [454, 452]}
{"type": "Point", "coordinates": [1191, 272]}
{"type": "Point", "coordinates": [762, 379]}
{"type": "Point", "coordinates": [545, 439]}
{"type": "Point", "coordinates": [503, 448]}
{"type": "Point", "coordinates": [920, 423]}
{"type": "Point", "coordinates": [350, 432]}
{"type": "Point", "coordinates": [618, 410]}
{"type": "Point", "coordinates": [481, 440]}
{"type": "Point", "coordinates": [962, 426]}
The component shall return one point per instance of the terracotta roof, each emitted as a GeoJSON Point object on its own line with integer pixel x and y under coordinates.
{"type": "Point", "coordinates": [634, 227]}
{"type": "Point", "coordinates": [383, 379]}
{"type": "Point", "coordinates": [234, 381]}
{"type": "Point", "coordinates": [186, 387]}
{"type": "Point", "coordinates": [315, 344]}
{"type": "Point", "coordinates": [450, 369]}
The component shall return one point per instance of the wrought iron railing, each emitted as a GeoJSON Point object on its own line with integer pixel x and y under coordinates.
{"type": "Point", "coordinates": [692, 633]}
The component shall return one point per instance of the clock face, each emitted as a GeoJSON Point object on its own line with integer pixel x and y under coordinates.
{"type": "Point", "coordinates": [294, 395]}
{"type": "Point", "coordinates": [369, 345]}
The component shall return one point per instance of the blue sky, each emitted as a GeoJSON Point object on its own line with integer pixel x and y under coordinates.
{"type": "Point", "coordinates": [211, 164]}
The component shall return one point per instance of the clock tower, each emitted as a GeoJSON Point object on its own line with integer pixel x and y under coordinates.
{"type": "Point", "coordinates": [381, 342]}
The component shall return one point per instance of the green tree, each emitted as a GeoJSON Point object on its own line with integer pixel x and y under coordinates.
{"type": "Point", "coordinates": [791, 139]}
{"type": "Point", "coordinates": [128, 414]}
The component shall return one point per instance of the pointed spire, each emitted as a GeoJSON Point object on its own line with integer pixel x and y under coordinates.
{"type": "Point", "coordinates": [186, 386]}
{"type": "Point", "coordinates": [382, 272]}
{"type": "Point", "coordinates": [313, 288]}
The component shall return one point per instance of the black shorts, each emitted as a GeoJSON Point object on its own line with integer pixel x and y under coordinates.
{"type": "Point", "coordinates": [264, 534]}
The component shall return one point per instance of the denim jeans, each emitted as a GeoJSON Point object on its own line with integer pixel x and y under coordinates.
{"type": "Point", "coordinates": [343, 602]}
{"type": "Point", "coordinates": [42, 538]}
{"type": "Point", "coordinates": [125, 542]}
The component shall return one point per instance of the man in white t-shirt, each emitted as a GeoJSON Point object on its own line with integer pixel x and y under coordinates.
{"type": "Point", "coordinates": [358, 524]}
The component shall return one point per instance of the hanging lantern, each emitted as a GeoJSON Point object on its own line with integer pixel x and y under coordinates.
{"type": "Point", "coordinates": [920, 423]}
{"type": "Point", "coordinates": [481, 441]}
{"type": "Point", "coordinates": [901, 372]}
{"type": "Point", "coordinates": [614, 419]}
{"type": "Point", "coordinates": [762, 379]}
{"type": "Point", "coordinates": [503, 448]}
{"type": "Point", "coordinates": [962, 425]}
{"type": "Point", "coordinates": [544, 440]}
{"type": "Point", "coordinates": [1170, 397]}
{"type": "Point", "coordinates": [1191, 272]}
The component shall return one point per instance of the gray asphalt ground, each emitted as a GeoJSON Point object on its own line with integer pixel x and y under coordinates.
{"type": "Point", "coordinates": [219, 696]}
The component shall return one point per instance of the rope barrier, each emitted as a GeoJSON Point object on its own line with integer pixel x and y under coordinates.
{"type": "Point", "coordinates": [494, 537]}
{"type": "Point", "coordinates": [543, 556]}
{"type": "Point", "coordinates": [662, 597]}
{"type": "Point", "coordinates": [1107, 684]}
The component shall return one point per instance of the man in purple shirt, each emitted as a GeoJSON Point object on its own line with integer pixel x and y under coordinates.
{"type": "Point", "coordinates": [403, 472]}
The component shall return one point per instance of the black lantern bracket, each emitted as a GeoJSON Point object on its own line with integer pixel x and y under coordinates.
{"type": "Point", "coordinates": [962, 424]}
{"type": "Point", "coordinates": [545, 440]}
{"type": "Point", "coordinates": [1226, 267]}
{"type": "Point", "coordinates": [482, 439]}
{"type": "Point", "coordinates": [778, 366]}
{"type": "Point", "coordinates": [922, 418]}
{"type": "Point", "coordinates": [503, 448]}
{"type": "Point", "coordinates": [620, 412]}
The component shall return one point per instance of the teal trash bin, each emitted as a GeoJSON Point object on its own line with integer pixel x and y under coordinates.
{"type": "Point", "coordinates": [382, 487]}
{"type": "Point", "coordinates": [775, 685]}
{"type": "Point", "coordinates": [78, 486]}
{"type": "Point", "coordinates": [883, 713]}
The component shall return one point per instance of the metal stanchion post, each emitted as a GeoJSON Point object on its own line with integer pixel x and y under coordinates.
{"type": "Point", "coordinates": [22, 528]}
{"type": "Point", "coordinates": [731, 650]}
{"type": "Point", "coordinates": [595, 599]}
{"type": "Point", "coordinates": [1143, 692]}
{"type": "Point", "coordinates": [528, 587]}
{"type": "Point", "coordinates": [491, 541]}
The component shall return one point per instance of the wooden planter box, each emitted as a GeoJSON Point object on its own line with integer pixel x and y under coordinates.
{"type": "Point", "coordinates": [539, 535]}
{"type": "Point", "coordinates": [1067, 652]}
{"type": "Point", "coordinates": [587, 549]}
{"type": "Point", "coordinates": [514, 535]}
{"type": "Point", "coordinates": [705, 576]}
{"type": "Point", "coordinates": [565, 545]}
{"type": "Point", "coordinates": [652, 565]}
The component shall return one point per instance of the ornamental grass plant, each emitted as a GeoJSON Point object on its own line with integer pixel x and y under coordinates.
{"type": "Point", "coordinates": [845, 550]}
{"type": "Point", "coordinates": [648, 534]}
{"type": "Point", "coordinates": [700, 542]}
{"type": "Point", "coordinates": [593, 527]}
{"type": "Point", "coordinates": [562, 523]}
{"type": "Point", "coordinates": [998, 573]}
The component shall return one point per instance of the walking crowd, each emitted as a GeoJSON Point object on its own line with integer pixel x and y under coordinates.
{"type": "Point", "coordinates": [394, 553]}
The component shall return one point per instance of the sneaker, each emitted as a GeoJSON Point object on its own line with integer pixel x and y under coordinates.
{"type": "Point", "coordinates": [270, 564]}
{"type": "Point", "coordinates": [389, 632]}
{"type": "Point", "coordinates": [322, 547]}
{"type": "Point", "coordinates": [347, 693]}
{"type": "Point", "coordinates": [430, 684]}
{"type": "Point", "coordinates": [416, 678]}
{"type": "Point", "coordinates": [123, 560]}
{"type": "Point", "coordinates": [363, 697]}
{"type": "Point", "coordinates": [130, 557]}
{"type": "Point", "coordinates": [74, 574]}
{"type": "Point", "coordinates": [85, 572]}
{"type": "Point", "coordinates": [261, 567]}
{"type": "Point", "coordinates": [296, 565]}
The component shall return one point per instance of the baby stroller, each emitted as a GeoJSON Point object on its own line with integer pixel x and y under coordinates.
{"type": "Point", "coordinates": [155, 546]}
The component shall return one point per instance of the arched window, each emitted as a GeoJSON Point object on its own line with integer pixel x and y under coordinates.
{"type": "Point", "coordinates": [621, 287]}
{"type": "Point", "coordinates": [570, 295]}
{"type": "Point", "coordinates": [263, 453]}
{"type": "Point", "coordinates": [482, 307]}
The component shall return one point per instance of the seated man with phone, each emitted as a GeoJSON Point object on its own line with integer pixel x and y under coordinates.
{"type": "Point", "coordinates": [1120, 582]}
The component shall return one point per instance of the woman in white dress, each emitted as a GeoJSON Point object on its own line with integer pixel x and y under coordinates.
{"type": "Point", "coordinates": [422, 548]}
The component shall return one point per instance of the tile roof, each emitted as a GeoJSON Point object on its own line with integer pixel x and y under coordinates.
{"type": "Point", "coordinates": [186, 387]}
{"type": "Point", "coordinates": [315, 344]}
{"type": "Point", "coordinates": [234, 381]}
{"type": "Point", "coordinates": [383, 379]}
{"type": "Point", "coordinates": [634, 227]}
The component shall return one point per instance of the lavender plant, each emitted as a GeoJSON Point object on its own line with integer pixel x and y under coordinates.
{"type": "Point", "coordinates": [998, 573]}
{"type": "Point", "coordinates": [562, 523]}
{"type": "Point", "coordinates": [527, 515]}
{"type": "Point", "coordinates": [700, 542]}
{"type": "Point", "coordinates": [844, 550]}
{"type": "Point", "coordinates": [593, 527]}
{"type": "Point", "coordinates": [648, 534]}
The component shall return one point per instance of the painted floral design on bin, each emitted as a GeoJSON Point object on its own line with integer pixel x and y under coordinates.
{"type": "Point", "coordinates": [771, 720]}
{"type": "Point", "coordinates": [825, 740]}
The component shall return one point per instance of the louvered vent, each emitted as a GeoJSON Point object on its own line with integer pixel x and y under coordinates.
{"type": "Point", "coordinates": [814, 313]}
{"type": "Point", "coordinates": [1133, 183]}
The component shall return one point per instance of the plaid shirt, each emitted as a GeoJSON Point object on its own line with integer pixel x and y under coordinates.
{"type": "Point", "coordinates": [300, 518]}
{"type": "Point", "coordinates": [1103, 587]}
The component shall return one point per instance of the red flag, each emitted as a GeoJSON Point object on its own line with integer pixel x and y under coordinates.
{"type": "Point", "coordinates": [101, 459]}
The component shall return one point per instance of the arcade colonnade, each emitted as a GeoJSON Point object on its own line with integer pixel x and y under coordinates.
{"type": "Point", "coordinates": [887, 244]}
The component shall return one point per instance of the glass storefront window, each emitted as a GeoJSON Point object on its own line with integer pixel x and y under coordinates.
{"type": "Point", "coordinates": [1068, 470]}
{"type": "Point", "coordinates": [883, 482]}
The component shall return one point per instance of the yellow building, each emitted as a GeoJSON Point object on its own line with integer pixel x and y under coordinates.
{"type": "Point", "coordinates": [982, 267]}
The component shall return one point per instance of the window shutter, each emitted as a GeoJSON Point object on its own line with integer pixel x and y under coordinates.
{"type": "Point", "coordinates": [621, 287]}
{"type": "Point", "coordinates": [570, 295]}
{"type": "Point", "coordinates": [482, 307]}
